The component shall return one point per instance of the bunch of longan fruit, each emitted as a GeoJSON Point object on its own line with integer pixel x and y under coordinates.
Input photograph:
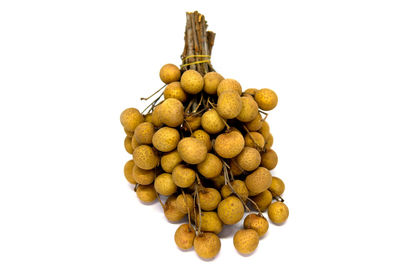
{"type": "Point", "coordinates": [207, 146]}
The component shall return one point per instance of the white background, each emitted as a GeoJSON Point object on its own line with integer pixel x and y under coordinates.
{"type": "Point", "coordinates": [67, 70]}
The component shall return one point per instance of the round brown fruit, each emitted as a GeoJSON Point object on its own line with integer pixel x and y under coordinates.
{"type": "Point", "coordinates": [269, 142]}
{"type": "Point", "coordinates": [192, 123]}
{"type": "Point", "coordinates": [212, 122]}
{"type": "Point", "coordinates": [156, 116]}
{"type": "Point", "coordinates": [207, 245]}
{"type": "Point", "coordinates": [170, 160]}
{"type": "Point", "coordinates": [171, 211]}
{"type": "Point", "coordinates": [128, 144]}
{"type": "Point", "coordinates": [210, 222]}
{"type": "Point", "coordinates": [255, 124]}
{"type": "Point", "coordinates": [143, 176]}
{"type": "Point", "coordinates": [184, 203]}
{"type": "Point", "coordinates": [131, 118]}
{"type": "Point", "coordinates": [229, 145]}
{"type": "Point", "coordinates": [230, 210]}
{"type": "Point", "coordinates": [255, 140]}
{"type": "Point", "coordinates": [251, 91]}
{"type": "Point", "coordinates": [146, 193]}
{"type": "Point", "coordinates": [229, 105]}
{"type": "Point", "coordinates": [174, 90]}
{"type": "Point", "coordinates": [145, 157]}
{"type": "Point", "coordinates": [278, 212]}
{"type": "Point", "coordinates": [192, 82]}
{"type": "Point", "coordinates": [128, 171]}
{"type": "Point", "coordinates": [246, 241]}
{"type": "Point", "coordinates": [169, 73]}
{"type": "Point", "coordinates": [144, 132]}
{"type": "Point", "coordinates": [263, 200]}
{"type": "Point", "coordinates": [259, 181]}
{"type": "Point", "coordinates": [183, 176]}
{"type": "Point", "coordinates": [239, 187]}
{"type": "Point", "coordinates": [171, 112]}
{"type": "Point", "coordinates": [269, 159]}
{"type": "Point", "coordinates": [257, 223]}
{"type": "Point", "coordinates": [249, 159]}
{"type": "Point", "coordinates": [204, 137]}
{"type": "Point", "coordinates": [184, 236]}
{"type": "Point", "coordinates": [229, 85]}
{"type": "Point", "coordinates": [209, 198]}
{"type": "Point", "coordinates": [164, 184]}
{"type": "Point", "coordinates": [266, 99]}
{"type": "Point", "coordinates": [264, 130]}
{"type": "Point", "coordinates": [277, 186]}
{"type": "Point", "coordinates": [210, 167]}
{"type": "Point", "coordinates": [192, 150]}
{"type": "Point", "coordinates": [211, 82]}
{"type": "Point", "coordinates": [166, 139]}
{"type": "Point", "coordinates": [249, 109]}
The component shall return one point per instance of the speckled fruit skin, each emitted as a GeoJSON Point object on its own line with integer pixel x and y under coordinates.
{"type": "Point", "coordinates": [229, 145]}
{"type": "Point", "coordinates": [183, 202]}
{"type": "Point", "coordinates": [192, 150]}
{"type": "Point", "coordinates": [146, 193]}
{"type": "Point", "coordinates": [164, 184]}
{"type": "Point", "coordinates": [170, 160]}
{"type": "Point", "coordinates": [183, 176]}
{"type": "Point", "coordinates": [254, 140]}
{"type": "Point", "coordinates": [249, 109]}
{"type": "Point", "coordinates": [131, 118]}
{"type": "Point", "coordinates": [211, 82]}
{"type": "Point", "coordinates": [143, 176]}
{"type": "Point", "coordinates": [210, 222]}
{"type": "Point", "coordinates": [169, 73]}
{"type": "Point", "coordinates": [229, 84]}
{"type": "Point", "coordinates": [263, 200]}
{"type": "Point", "coordinates": [230, 210]}
{"type": "Point", "coordinates": [269, 142]}
{"type": "Point", "coordinates": [192, 123]}
{"type": "Point", "coordinates": [257, 223]}
{"type": "Point", "coordinates": [239, 187]}
{"type": "Point", "coordinates": [269, 159]}
{"type": "Point", "coordinates": [264, 130]}
{"type": "Point", "coordinates": [278, 212]}
{"type": "Point", "coordinates": [246, 241]}
{"type": "Point", "coordinates": [210, 167]}
{"type": "Point", "coordinates": [145, 157]}
{"type": "Point", "coordinates": [277, 186]}
{"type": "Point", "coordinates": [155, 116]}
{"type": "Point", "coordinates": [266, 99]}
{"type": "Point", "coordinates": [212, 122]}
{"type": "Point", "coordinates": [251, 91]}
{"type": "Point", "coordinates": [171, 112]}
{"type": "Point", "coordinates": [128, 144]}
{"type": "Point", "coordinates": [184, 236]}
{"type": "Point", "coordinates": [249, 159]}
{"type": "Point", "coordinates": [204, 137]}
{"type": "Point", "coordinates": [259, 181]}
{"type": "Point", "coordinates": [207, 245]}
{"type": "Point", "coordinates": [209, 198]}
{"type": "Point", "coordinates": [192, 82]}
{"type": "Point", "coordinates": [229, 105]}
{"type": "Point", "coordinates": [128, 171]}
{"type": "Point", "coordinates": [174, 90]}
{"type": "Point", "coordinates": [255, 124]}
{"type": "Point", "coordinates": [144, 133]}
{"type": "Point", "coordinates": [166, 139]}
{"type": "Point", "coordinates": [171, 211]}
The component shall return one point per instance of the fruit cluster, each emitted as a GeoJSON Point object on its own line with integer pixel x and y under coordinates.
{"type": "Point", "coordinates": [207, 146]}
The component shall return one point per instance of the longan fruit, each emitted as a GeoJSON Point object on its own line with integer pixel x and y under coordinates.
{"type": "Point", "coordinates": [278, 212]}
{"type": "Point", "coordinates": [147, 118]}
{"type": "Point", "coordinates": [246, 241]}
{"type": "Point", "coordinates": [277, 186]}
{"type": "Point", "coordinates": [128, 171]}
{"type": "Point", "coordinates": [218, 181]}
{"type": "Point", "coordinates": [192, 82]}
{"type": "Point", "coordinates": [128, 133]}
{"type": "Point", "coordinates": [169, 73]}
{"type": "Point", "coordinates": [171, 112]}
{"type": "Point", "coordinates": [269, 159]}
{"type": "Point", "coordinates": [266, 99]}
{"type": "Point", "coordinates": [229, 85]}
{"type": "Point", "coordinates": [145, 157]}
{"type": "Point", "coordinates": [229, 145]}
{"type": "Point", "coordinates": [249, 109]}
{"type": "Point", "coordinates": [259, 181]}
{"type": "Point", "coordinates": [207, 245]}
{"type": "Point", "coordinates": [230, 210]}
{"type": "Point", "coordinates": [249, 159]}
{"type": "Point", "coordinates": [264, 130]}
{"type": "Point", "coordinates": [143, 176]}
{"type": "Point", "coordinates": [204, 137]}
{"type": "Point", "coordinates": [164, 184]}
{"type": "Point", "coordinates": [171, 212]}
{"type": "Point", "coordinates": [229, 105]}
{"type": "Point", "coordinates": [210, 167]}
{"type": "Point", "coordinates": [183, 202]}
{"type": "Point", "coordinates": [211, 82]}
{"type": "Point", "coordinates": [192, 123]}
{"type": "Point", "coordinates": [239, 187]}
{"type": "Point", "coordinates": [210, 222]}
{"type": "Point", "coordinates": [269, 142]}
{"type": "Point", "coordinates": [212, 122]}
{"type": "Point", "coordinates": [166, 139]}
{"type": "Point", "coordinates": [128, 144]}
{"type": "Point", "coordinates": [192, 150]}
{"type": "Point", "coordinates": [209, 198]}
{"type": "Point", "coordinates": [170, 160]}
{"type": "Point", "coordinates": [146, 193]}
{"type": "Point", "coordinates": [235, 168]}
{"type": "Point", "coordinates": [254, 140]}
{"type": "Point", "coordinates": [174, 90]}
{"type": "Point", "coordinates": [184, 236]}
{"type": "Point", "coordinates": [251, 91]}
{"type": "Point", "coordinates": [257, 223]}
{"type": "Point", "coordinates": [156, 116]}
{"type": "Point", "coordinates": [255, 125]}
{"type": "Point", "coordinates": [134, 143]}
{"type": "Point", "coordinates": [144, 133]}
{"type": "Point", "coordinates": [183, 176]}
{"type": "Point", "coordinates": [263, 200]}
{"type": "Point", "coordinates": [131, 118]}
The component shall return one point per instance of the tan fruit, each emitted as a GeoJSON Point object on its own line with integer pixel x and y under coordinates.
{"type": "Point", "coordinates": [239, 187]}
{"type": "Point", "coordinates": [257, 223]}
{"type": "Point", "coordinates": [171, 212]}
{"type": "Point", "coordinates": [269, 142]}
{"type": "Point", "coordinates": [264, 130]}
{"type": "Point", "coordinates": [164, 184]}
{"type": "Point", "coordinates": [230, 210]}
{"type": "Point", "coordinates": [184, 236]}
{"type": "Point", "coordinates": [192, 123]}
{"type": "Point", "coordinates": [229, 104]}
{"type": "Point", "coordinates": [229, 85]}
{"type": "Point", "coordinates": [249, 159]}
{"type": "Point", "coordinates": [212, 122]}
{"type": "Point", "coordinates": [210, 167]}
{"type": "Point", "coordinates": [211, 82]}
{"type": "Point", "coordinates": [134, 143]}
{"type": "Point", "coordinates": [128, 171]}
{"type": "Point", "coordinates": [169, 73]}
{"type": "Point", "coordinates": [128, 133]}
{"type": "Point", "coordinates": [255, 124]}
{"type": "Point", "coordinates": [210, 222]}
{"type": "Point", "coordinates": [266, 99]}
{"type": "Point", "coordinates": [144, 132]}
{"type": "Point", "coordinates": [143, 176]}
{"type": "Point", "coordinates": [218, 181]}
{"type": "Point", "coordinates": [184, 202]}
{"type": "Point", "coordinates": [263, 200]}
{"type": "Point", "coordinates": [183, 176]}
{"type": "Point", "coordinates": [235, 168]}
{"type": "Point", "coordinates": [156, 116]}
{"type": "Point", "coordinates": [147, 118]}
{"type": "Point", "coordinates": [146, 193]}
{"type": "Point", "coordinates": [131, 118]}
{"type": "Point", "coordinates": [128, 144]}
{"type": "Point", "coordinates": [174, 90]}
{"type": "Point", "coordinates": [254, 140]}
{"type": "Point", "coordinates": [251, 91]}
{"type": "Point", "coordinates": [170, 160]}
{"type": "Point", "coordinates": [278, 212]}
{"type": "Point", "coordinates": [259, 181]}
{"type": "Point", "coordinates": [192, 82]}
{"type": "Point", "coordinates": [229, 145]}
{"type": "Point", "coordinates": [166, 139]}
{"type": "Point", "coordinates": [192, 150]}
{"type": "Point", "coordinates": [277, 186]}
{"type": "Point", "coordinates": [207, 245]}
{"type": "Point", "coordinates": [246, 241]}
{"type": "Point", "coordinates": [145, 157]}
{"type": "Point", "coordinates": [171, 112]}
{"type": "Point", "coordinates": [209, 198]}
{"type": "Point", "coordinates": [249, 109]}
{"type": "Point", "coordinates": [204, 137]}
{"type": "Point", "coordinates": [269, 159]}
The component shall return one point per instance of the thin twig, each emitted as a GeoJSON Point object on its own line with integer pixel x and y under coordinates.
{"type": "Point", "coordinates": [153, 93]}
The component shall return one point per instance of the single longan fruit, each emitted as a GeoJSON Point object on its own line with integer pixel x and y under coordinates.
{"type": "Point", "coordinates": [254, 140]}
{"type": "Point", "coordinates": [255, 125]}
{"type": "Point", "coordinates": [235, 168]}
{"type": "Point", "coordinates": [229, 105]}
{"type": "Point", "coordinates": [128, 144]}
{"type": "Point", "coordinates": [263, 200]}
{"type": "Point", "coordinates": [269, 142]}
{"type": "Point", "coordinates": [183, 176]}
{"type": "Point", "coordinates": [156, 116]}
{"type": "Point", "coordinates": [192, 150]}
{"type": "Point", "coordinates": [128, 133]}
{"type": "Point", "coordinates": [246, 241]}
{"type": "Point", "coordinates": [230, 210]}
{"type": "Point", "coordinates": [269, 159]}
{"type": "Point", "coordinates": [134, 143]}
{"type": "Point", "coordinates": [229, 85]}
{"type": "Point", "coordinates": [164, 184]}
{"type": "Point", "coordinates": [257, 223]}
{"type": "Point", "coordinates": [184, 202]}
{"type": "Point", "coordinates": [145, 157]}
{"type": "Point", "coordinates": [207, 245]}
{"type": "Point", "coordinates": [210, 167]}
{"type": "Point", "coordinates": [204, 137]}
{"type": "Point", "coordinates": [131, 118]}
{"type": "Point", "coordinates": [171, 112]}
{"type": "Point", "coordinates": [174, 90]}
{"type": "Point", "coordinates": [170, 160]}
{"type": "Point", "coordinates": [147, 118]}
{"type": "Point", "coordinates": [143, 176]}
{"type": "Point", "coordinates": [166, 139]}
{"type": "Point", "coordinates": [212, 122]}
{"type": "Point", "coordinates": [259, 181]}
{"type": "Point", "coordinates": [209, 198]}
{"type": "Point", "coordinates": [249, 159]}
{"type": "Point", "coordinates": [144, 133]}
{"type": "Point", "coordinates": [211, 82]}
{"type": "Point", "coordinates": [249, 109]}
{"type": "Point", "coordinates": [146, 193]}
{"type": "Point", "coordinates": [184, 236]}
{"type": "Point", "coordinates": [264, 130]}
{"type": "Point", "coordinates": [251, 91]}
{"type": "Point", "coordinates": [266, 99]}
{"type": "Point", "coordinates": [171, 211]}
{"type": "Point", "coordinates": [210, 222]}
{"type": "Point", "coordinates": [239, 187]}
{"type": "Point", "coordinates": [229, 145]}
{"type": "Point", "coordinates": [192, 82]}
{"type": "Point", "coordinates": [192, 123]}
{"type": "Point", "coordinates": [128, 171]}
{"type": "Point", "coordinates": [277, 186]}
{"type": "Point", "coordinates": [278, 212]}
{"type": "Point", "coordinates": [218, 181]}
{"type": "Point", "coordinates": [169, 73]}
